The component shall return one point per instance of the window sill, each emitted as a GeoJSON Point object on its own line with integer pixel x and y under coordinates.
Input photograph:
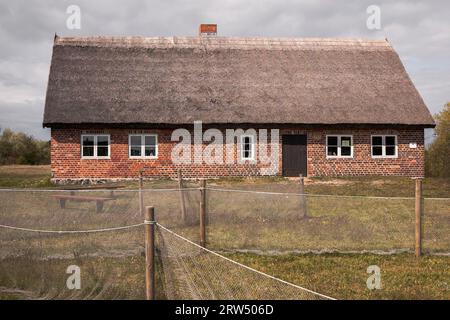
{"type": "Point", "coordinates": [384, 157]}
{"type": "Point", "coordinates": [339, 157]}
{"type": "Point", "coordinates": [95, 158]}
{"type": "Point", "coordinates": [143, 158]}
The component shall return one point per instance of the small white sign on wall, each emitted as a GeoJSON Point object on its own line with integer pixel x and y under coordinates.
{"type": "Point", "coordinates": [412, 145]}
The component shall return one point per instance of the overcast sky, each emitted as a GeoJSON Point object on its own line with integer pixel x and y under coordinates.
{"type": "Point", "coordinates": [418, 30]}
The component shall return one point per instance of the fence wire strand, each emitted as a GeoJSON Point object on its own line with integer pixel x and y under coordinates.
{"type": "Point", "coordinates": [73, 231]}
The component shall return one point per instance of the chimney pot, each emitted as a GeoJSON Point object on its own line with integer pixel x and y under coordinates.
{"type": "Point", "coordinates": [208, 29]}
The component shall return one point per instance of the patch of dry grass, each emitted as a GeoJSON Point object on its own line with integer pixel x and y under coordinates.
{"type": "Point", "coordinates": [21, 176]}
{"type": "Point", "coordinates": [25, 170]}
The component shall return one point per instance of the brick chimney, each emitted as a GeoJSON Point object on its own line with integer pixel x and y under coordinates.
{"type": "Point", "coordinates": [208, 29]}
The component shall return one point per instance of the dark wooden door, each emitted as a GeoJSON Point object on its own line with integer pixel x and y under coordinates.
{"type": "Point", "coordinates": [294, 155]}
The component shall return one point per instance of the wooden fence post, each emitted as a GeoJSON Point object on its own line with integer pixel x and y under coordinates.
{"type": "Point", "coordinates": [419, 214]}
{"type": "Point", "coordinates": [303, 205]}
{"type": "Point", "coordinates": [203, 213]}
{"type": "Point", "coordinates": [141, 195]}
{"type": "Point", "coordinates": [149, 225]}
{"type": "Point", "coordinates": [182, 202]}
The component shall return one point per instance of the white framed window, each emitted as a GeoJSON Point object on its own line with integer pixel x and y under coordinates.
{"type": "Point", "coordinates": [143, 146]}
{"type": "Point", "coordinates": [247, 147]}
{"type": "Point", "coordinates": [384, 146]}
{"type": "Point", "coordinates": [339, 146]}
{"type": "Point", "coordinates": [95, 146]}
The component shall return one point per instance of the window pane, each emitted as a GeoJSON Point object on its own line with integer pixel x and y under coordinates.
{"type": "Point", "coordinates": [102, 151]}
{"type": "Point", "coordinates": [390, 140]}
{"type": "Point", "coordinates": [346, 141]}
{"type": "Point", "coordinates": [135, 140]}
{"type": "Point", "coordinates": [88, 151]}
{"type": "Point", "coordinates": [150, 140]}
{"type": "Point", "coordinates": [135, 151]}
{"type": "Point", "coordinates": [332, 151]}
{"type": "Point", "coordinates": [247, 147]}
{"type": "Point", "coordinates": [377, 141]}
{"type": "Point", "coordinates": [332, 141]}
{"type": "Point", "coordinates": [346, 151]}
{"type": "Point", "coordinates": [247, 152]}
{"type": "Point", "coordinates": [88, 140]}
{"type": "Point", "coordinates": [102, 140]}
{"type": "Point", "coordinates": [390, 151]}
{"type": "Point", "coordinates": [150, 151]}
{"type": "Point", "coordinates": [377, 151]}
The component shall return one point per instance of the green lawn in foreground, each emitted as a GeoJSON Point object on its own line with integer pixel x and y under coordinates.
{"type": "Point", "coordinates": [344, 276]}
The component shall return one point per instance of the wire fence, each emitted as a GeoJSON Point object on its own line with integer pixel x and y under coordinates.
{"type": "Point", "coordinates": [41, 241]}
{"type": "Point", "coordinates": [243, 219]}
{"type": "Point", "coordinates": [43, 233]}
{"type": "Point", "coordinates": [275, 222]}
{"type": "Point", "coordinates": [38, 264]}
{"type": "Point", "coordinates": [194, 272]}
{"type": "Point", "coordinates": [287, 222]}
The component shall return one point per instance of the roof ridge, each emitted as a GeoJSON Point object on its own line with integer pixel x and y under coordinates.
{"type": "Point", "coordinates": [218, 42]}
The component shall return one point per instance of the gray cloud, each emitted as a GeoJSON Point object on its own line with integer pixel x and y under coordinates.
{"type": "Point", "coordinates": [418, 30]}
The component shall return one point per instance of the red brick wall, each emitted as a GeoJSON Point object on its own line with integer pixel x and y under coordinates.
{"type": "Point", "coordinates": [67, 164]}
{"type": "Point", "coordinates": [66, 159]}
{"type": "Point", "coordinates": [410, 162]}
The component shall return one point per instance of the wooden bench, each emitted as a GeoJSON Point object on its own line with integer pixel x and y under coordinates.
{"type": "Point", "coordinates": [94, 187]}
{"type": "Point", "coordinates": [98, 200]}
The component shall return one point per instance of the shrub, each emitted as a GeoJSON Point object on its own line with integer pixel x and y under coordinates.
{"type": "Point", "coordinates": [20, 148]}
{"type": "Point", "coordinates": [437, 157]}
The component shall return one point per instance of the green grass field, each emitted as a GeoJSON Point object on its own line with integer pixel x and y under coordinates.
{"type": "Point", "coordinates": [344, 276]}
{"type": "Point", "coordinates": [235, 221]}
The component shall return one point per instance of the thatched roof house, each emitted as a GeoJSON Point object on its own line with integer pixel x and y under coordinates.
{"type": "Point", "coordinates": [306, 87]}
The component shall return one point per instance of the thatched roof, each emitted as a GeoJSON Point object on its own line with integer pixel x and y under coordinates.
{"type": "Point", "coordinates": [172, 80]}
